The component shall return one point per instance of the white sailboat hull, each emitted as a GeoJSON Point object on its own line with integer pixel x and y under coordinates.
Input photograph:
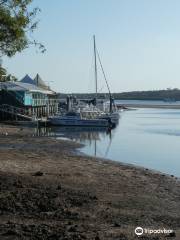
{"type": "Point", "coordinates": [58, 121]}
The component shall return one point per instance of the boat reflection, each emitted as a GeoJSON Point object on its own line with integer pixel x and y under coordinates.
{"type": "Point", "coordinates": [88, 135]}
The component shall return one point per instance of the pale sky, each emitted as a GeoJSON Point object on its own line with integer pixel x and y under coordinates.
{"type": "Point", "coordinates": [138, 40]}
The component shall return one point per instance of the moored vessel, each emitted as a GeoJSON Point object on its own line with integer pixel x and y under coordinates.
{"type": "Point", "coordinates": [75, 119]}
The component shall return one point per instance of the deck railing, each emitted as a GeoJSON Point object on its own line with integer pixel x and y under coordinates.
{"type": "Point", "coordinates": [16, 111]}
{"type": "Point", "coordinates": [41, 102]}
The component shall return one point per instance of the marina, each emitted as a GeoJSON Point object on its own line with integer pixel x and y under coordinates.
{"type": "Point", "coordinates": [107, 128]}
{"type": "Point", "coordinates": [33, 101]}
{"type": "Point", "coordinates": [141, 138]}
{"type": "Point", "coordinates": [89, 120]}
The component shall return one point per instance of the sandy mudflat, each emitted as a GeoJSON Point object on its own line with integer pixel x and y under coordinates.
{"type": "Point", "coordinates": [48, 192]}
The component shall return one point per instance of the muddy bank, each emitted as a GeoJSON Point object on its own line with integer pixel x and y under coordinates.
{"type": "Point", "coordinates": [48, 192]}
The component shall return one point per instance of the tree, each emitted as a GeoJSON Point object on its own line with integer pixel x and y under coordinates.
{"type": "Point", "coordinates": [2, 74]}
{"type": "Point", "coordinates": [4, 77]}
{"type": "Point", "coordinates": [16, 22]}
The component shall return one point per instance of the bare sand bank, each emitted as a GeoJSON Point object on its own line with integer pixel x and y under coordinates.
{"type": "Point", "coordinates": [49, 192]}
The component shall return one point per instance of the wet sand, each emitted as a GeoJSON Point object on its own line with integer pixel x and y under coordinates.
{"type": "Point", "coordinates": [50, 192]}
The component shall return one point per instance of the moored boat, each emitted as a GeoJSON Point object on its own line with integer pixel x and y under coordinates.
{"type": "Point", "coordinates": [112, 113]}
{"type": "Point", "coordinates": [75, 119]}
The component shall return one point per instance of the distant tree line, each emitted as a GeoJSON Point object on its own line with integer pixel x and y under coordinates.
{"type": "Point", "coordinates": [168, 94]}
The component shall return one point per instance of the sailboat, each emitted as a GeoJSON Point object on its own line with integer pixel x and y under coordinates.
{"type": "Point", "coordinates": [89, 117]}
{"type": "Point", "coordinates": [112, 113]}
{"type": "Point", "coordinates": [73, 118]}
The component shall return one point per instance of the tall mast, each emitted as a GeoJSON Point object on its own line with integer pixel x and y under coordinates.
{"type": "Point", "coordinates": [95, 65]}
{"type": "Point", "coordinates": [110, 96]}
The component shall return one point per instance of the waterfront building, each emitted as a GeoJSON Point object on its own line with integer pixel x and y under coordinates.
{"type": "Point", "coordinates": [31, 95]}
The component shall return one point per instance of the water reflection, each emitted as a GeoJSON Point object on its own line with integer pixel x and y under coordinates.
{"type": "Point", "coordinates": [86, 135]}
{"type": "Point", "coordinates": [43, 132]}
{"type": "Point", "coordinates": [146, 137]}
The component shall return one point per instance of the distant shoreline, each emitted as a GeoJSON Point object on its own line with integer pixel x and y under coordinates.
{"type": "Point", "coordinates": [167, 106]}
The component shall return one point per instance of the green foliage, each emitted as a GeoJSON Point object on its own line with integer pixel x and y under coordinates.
{"type": "Point", "coordinates": [16, 22]}
{"type": "Point", "coordinates": [168, 94]}
{"type": "Point", "coordinates": [2, 73]}
{"type": "Point", "coordinates": [171, 94]}
{"type": "Point", "coordinates": [4, 77]}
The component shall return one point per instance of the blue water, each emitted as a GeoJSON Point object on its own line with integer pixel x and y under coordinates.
{"type": "Point", "coordinates": [144, 137]}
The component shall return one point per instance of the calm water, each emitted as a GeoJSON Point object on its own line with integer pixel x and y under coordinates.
{"type": "Point", "coordinates": [144, 137]}
{"type": "Point", "coordinates": [148, 102]}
